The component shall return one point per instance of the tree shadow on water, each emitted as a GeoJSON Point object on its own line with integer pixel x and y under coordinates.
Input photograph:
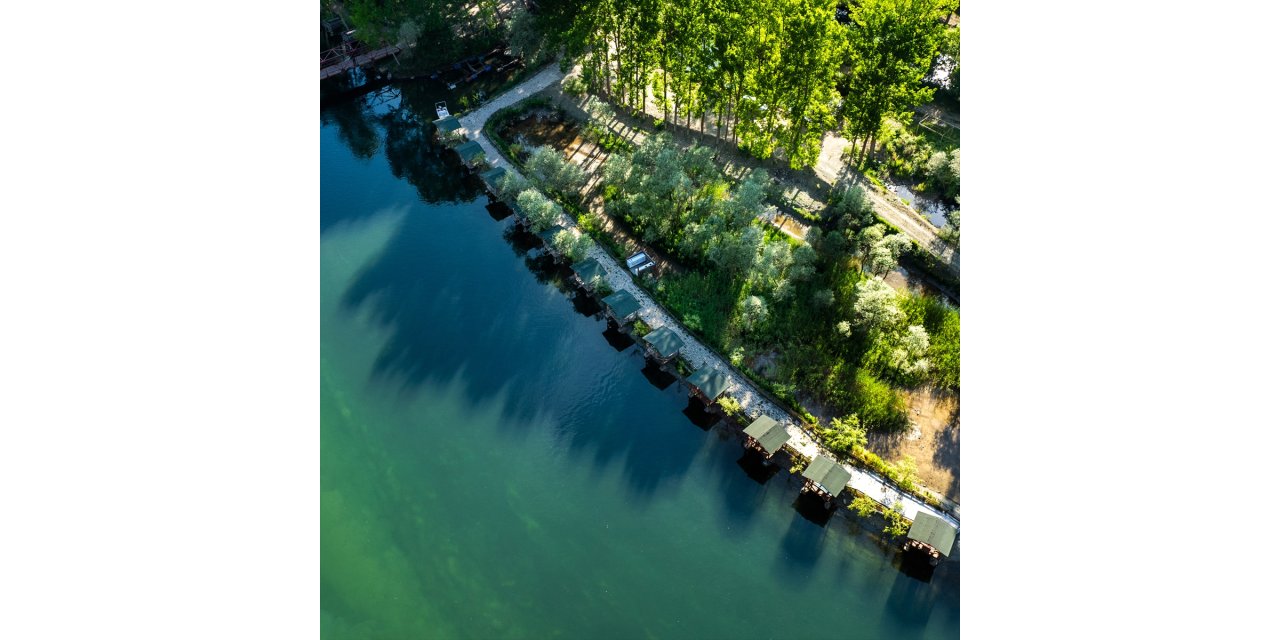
{"type": "Point", "coordinates": [618, 340]}
{"type": "Point", "coordinates": [756, 467]}
{"type": "Point", "coordinates": [698, 414]}
{"type": "Point", "coordinates": [656, 376]}
{"type": "Point", "coordinates": [800, 549]}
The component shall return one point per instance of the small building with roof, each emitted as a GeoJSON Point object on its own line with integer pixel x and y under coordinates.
{"type": "Point", "coordinates": [492, 178]}
{"type": "Point", "coordinates": [621, 306]}
{"type": "Point", "coordinates": [931, 536]}
{"type": "Point", "coordinates": [708, 383]}
{"type": "Point", "coordinates": [662, 344]}
{"type": "Point", "coordinates": [548, 238]}
{"type": "Point", "coordinates": [471, 152]}
{"type": "Point", "coordinates": [589, 273]}
{"type": "Point", "coordinates": [448, 129]}
{"type": "Point", "coordinates": [826, 477]}
{"type": "Point", "coordinates": [766, 435]}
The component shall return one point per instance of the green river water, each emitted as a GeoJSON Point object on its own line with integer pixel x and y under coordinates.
{"type": "Point", "coordinates": [493, 467]}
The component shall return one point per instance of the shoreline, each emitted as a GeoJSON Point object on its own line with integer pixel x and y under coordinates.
{"type": "Point", "coordinates": [752, 400]}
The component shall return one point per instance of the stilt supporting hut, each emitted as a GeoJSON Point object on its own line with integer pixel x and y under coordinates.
{"type": "Point", "coordinates": [621, 306]}
{"type": "Point", "coordinates": [766, 435]}
{"type": "Point", "coordinates": [826, 478]}
{"type": "Point", "coordinates": [492, 178]}
{"type": "Point", "coordinates": [471, 152]}
{"type": "Point", "coordinates": [708, 383]}
{"type": "Point", "coordinates": [589, 273]}
{"type": "Point", "coordinates": [662, 344]}
{"type": "Point", "coordinates": [930, 536]}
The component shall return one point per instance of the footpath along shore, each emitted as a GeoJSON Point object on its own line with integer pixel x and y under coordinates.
{"type": "Point", "coordinates": [754, 404]}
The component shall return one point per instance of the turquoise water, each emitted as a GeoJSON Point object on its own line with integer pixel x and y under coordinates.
{"type": "Point", "coordinates": [492, 467]}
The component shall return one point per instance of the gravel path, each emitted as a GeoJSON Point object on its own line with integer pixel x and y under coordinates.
{"type": "Point", "coordinates": [473, 123]}
{"type": "Point", "coordinates": [753, 403]}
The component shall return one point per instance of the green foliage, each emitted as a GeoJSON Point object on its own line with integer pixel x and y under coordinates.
{"type": "Point", "coordinates": [574, 85]}
{"type": "Point", "coordinates": [875, 308]}
{"type": "Point", "coordinates": [942, 322]}
{"type": "Point", "coordinates": [527, 39]}
{"type": "Point", "coordinates": [731, 407]}
{"type": "Point", "coordinates": [896, 524]}
{"type": "Point", "coordinates": [542, 213]}
{"type": "Point", "coordinates": [891, 46]}
{"type": "Point", "coordinates": [549, 169]}
{"type": "Point", "coordinates": [640, 328]}
{"type": "Point", "coordinates": [943, 173]}
{"type": "Point", "coordinates": [904, 473]}
{"type": "Point", "coordinates": [878, 406]}
{"type": "Point", "coordinates": [845, 435]}
{"type": "Point", "coordinates": [571, 244]}
{"type": "Point", "coordinates": [703, 302]}
{"type": "Point", "coordinates": [864, 506]}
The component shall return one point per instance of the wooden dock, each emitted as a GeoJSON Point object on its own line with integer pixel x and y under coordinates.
{"type": "Point", "coordinates": [332, 65]}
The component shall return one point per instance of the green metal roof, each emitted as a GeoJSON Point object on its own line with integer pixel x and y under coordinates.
{"type": "Point", "coordinates": [769, 433]}
{"type": "Point", "coordinates": [493, 176]}
{"type": "Point", "coordinates": [709, 381]}
{"type": "Point", "coordinates": [550, 234]}
{"type": "Point", "coordinates": [447, 124]}
{"type": "Point", "coordinates": [664, 341]}
{"type": "Point", "coordinates": [470, 150]}
{"type": "Point", "coordinates": [827, 473]}
{"type": "Point", "coordinates": [933, 531]}
{"type": "Point", "coordinates": [622, 304]}
{"type": "Point", "coordinates": [589, 270]}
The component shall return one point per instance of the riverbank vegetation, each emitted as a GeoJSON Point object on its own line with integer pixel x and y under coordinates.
{"type": "Point", "coordinates": [810, 320]}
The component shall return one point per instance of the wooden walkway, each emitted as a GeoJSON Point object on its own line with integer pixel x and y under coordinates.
{"type": "Point", "coordinates": [359, 60]}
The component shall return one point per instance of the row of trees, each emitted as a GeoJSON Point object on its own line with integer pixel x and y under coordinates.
{"type": "Point", "coordinates": [768, 74]}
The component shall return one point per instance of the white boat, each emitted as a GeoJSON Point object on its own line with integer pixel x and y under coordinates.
{"type": "Point", "coordinates": [442, 110]}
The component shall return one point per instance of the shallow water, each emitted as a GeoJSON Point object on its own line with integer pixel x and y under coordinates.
{"type": "Point", "coordinates": [493, 464]}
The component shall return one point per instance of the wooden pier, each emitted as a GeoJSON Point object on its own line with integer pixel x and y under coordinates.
{"type": "Point", "coordinates": [339, 60]}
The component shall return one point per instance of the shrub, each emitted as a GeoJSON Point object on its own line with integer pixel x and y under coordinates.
{"type": "Point", "coordinates": [574, 85]}
{"type": "Point", "coordinates": [864, 506]}
{"type": "Point", "coordinates": [897, 524]}
{"type": "Point", "coordinates": [731, 407]}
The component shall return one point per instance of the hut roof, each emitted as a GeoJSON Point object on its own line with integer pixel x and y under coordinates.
{"type": "Point", "coordinates": [550, 234]}
{"type": "Point", "coordinates": [447, 124]}
{"type": "Point", "coordinates": [828, 474]}
{"type": "Point", "coordinates": [589, 270]}
{"type": "Point", "coordinates": [710, 381]}
{"type": "Point", "coordinates": [769, 433]}
{"type": "Point", "coordinates": [493, 176]}
{"type": "Point", "coordinates": [469, 150]}
{"type": "Point", "coordinates": [622, 303]}
{"type": "Point", "coordinates": [933, 531]}
{"type": "Point", "coordinates": [664, 341]}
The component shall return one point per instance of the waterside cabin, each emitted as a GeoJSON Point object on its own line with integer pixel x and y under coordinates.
{"type": "Point", "coordinates": [471, 152]}
{"type": "Point", "coordinates": [548, 240]}
{"type": "Point", "coordinates": [708, 383]}
{"type": "Point", "coordinates": [766, 435]}
{"type": "Point", "coordinates": [621, 306]}
{"type": "Point", "coordinates": [447, 130]}
{"type": "Point", "coordinates": [492, 178]}
{"type": "Point", "coordinates": [931, 537]}
{"type": "Point", "coordinates": [662, 344]}
{"type": "Point", "coordinates": [589, 273]}
{"type": "Point", "coordinates": [826, 478]}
